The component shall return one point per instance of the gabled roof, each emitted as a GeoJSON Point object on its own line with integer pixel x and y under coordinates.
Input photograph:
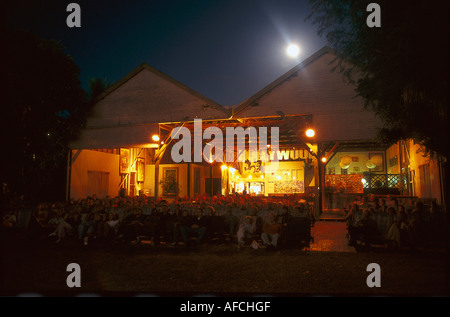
{"type": "Point", "coordinates": [145, 66]}
{"type": "Point", "coordinates": [315, 88]}
{"type": "Point", "coordinates": [253, 99]}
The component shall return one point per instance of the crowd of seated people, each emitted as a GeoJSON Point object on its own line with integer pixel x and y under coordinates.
{"type": "Point", "coordinates": [383, 221]}
{"type": "Point", "coordinates": [157, 221]}
{"type": "Point", "coordinates": [235, 218]}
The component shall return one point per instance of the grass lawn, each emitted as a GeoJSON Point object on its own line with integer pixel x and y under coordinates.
{"type": "Point", "coordinates": [124, 270]}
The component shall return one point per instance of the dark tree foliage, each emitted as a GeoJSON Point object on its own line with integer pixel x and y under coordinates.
{"type": "Point", "coordinates": [96, 87]}
{"type": "Point", "coordinates": [399, 68]}
{"type": "Point", "coordinates": [43, 109]}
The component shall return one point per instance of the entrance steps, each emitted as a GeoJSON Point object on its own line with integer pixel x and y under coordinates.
{"type": "Point", "coordinates": [332, 215]}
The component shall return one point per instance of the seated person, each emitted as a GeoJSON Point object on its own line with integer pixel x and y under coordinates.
{"type": "Point", "coordinates": [99, 218]}
{"type": "Point", "coordinates": [397, 232]}
{"type": "Point", "coordinates": [9, 219]}
{"type": "Point", "coordinates": [209, 211]}
{"type": "Point", "coordinates": [38, 227]}
{"type": "Point", "coordinates": [161, 225]}
{"type": "Point", "coordinates": [364, 228]}
{"type": "Point", "coordinates": [155, 222]}
{"type": "Point", "coordinates": [284, 219]}
{"type": "Point", "coordinates": [415, 229]}
{"type": "Point", "coordinates": [271, 230]}
{"type": "Point", "coordinates": [111, 226]}
{"type": "Point", "coordinates": [193, 224]}
{"type": "Point", "coordinates": [353, 215]}
{"type": "Point", "coordinates": [246, 228]}
{"type": "Point", "coordinates": [230, 220]}
{"type": "Point", "coordinates": [63, 226]}
{"type": "Point", "coordinates": [133, 225]}
{"type": "Point", "coordinates": [86, 227]}
{"type": "Point", "coordinates": [74, 219]}
{"type": "Point", "coordinates": [176, 223]}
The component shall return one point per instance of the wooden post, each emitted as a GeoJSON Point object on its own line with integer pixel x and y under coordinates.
{"type": "Point", "coordinates": [188, 189]}
{"type": "Point", "coordinates": [156, 179]}
{"type": "Point", "coordinates": [321, 179]}
{"type": "Point", "coordinates": [320, 187]}
{"type": "Point", "coordinates": [211, 179]}
{"type": "Point", "coordinates": [69, 173]}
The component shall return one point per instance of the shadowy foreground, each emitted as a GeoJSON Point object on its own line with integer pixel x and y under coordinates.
{"type": "Point", "coordinates": [40, 268]}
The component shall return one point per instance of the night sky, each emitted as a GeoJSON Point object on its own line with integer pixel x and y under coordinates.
{"type": "Point", "coordinates": [226, 50]}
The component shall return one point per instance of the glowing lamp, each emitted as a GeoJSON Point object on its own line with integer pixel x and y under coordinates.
{"type": "Point", "coordinates": [155, 137]}
{"type": "Point", "coordinates": [369, 164]}
{"type": "Point", "coordinates": [323, 159]}
{"type": "Point", "coordinates": [310, 133]}
{"type": "Point", "coordinates": [224, 167]}
{"type": "Point", "coordinates": [377, 160]}
{"type": "Point", "coordinates": [346, 160]}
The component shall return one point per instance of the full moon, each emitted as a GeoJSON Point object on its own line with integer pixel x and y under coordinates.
{"type": "Point", "coordinates": [293, 50]}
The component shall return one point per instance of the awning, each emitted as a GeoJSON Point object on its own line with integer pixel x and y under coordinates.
{"type": "Point", "coordinates": [116, 137]}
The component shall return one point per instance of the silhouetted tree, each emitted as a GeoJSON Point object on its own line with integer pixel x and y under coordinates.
{"type": "Point", "coordinates": [96, 87]}
{"type": "Point", "coordinates": [43, 109]}
{"type": "Point", "coordinates": [399, 68]}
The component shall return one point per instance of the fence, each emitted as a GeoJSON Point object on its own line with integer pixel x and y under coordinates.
{"type": "Point", "coordinates": [384, 181]}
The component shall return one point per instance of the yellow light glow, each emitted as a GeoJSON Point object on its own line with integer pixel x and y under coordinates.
{"type": "Point", "coordinates": [232, 169]}
{"type": "Point", "coordinates": [310, 133]}
{"type": "Point", "coordinates": [155, 137]}
{"type": "Point", "coordinates": [250, 176]}
{"type": "Point", "coordinates": [224, 167]}
{"type": "Point", "coordinates": [262, 176]}
{"type": "Point", "coordinates": [323, 159]}
{"type": "Point", "coordinates": [210, 161]}
{"type": "Point", "coordinates": [278, 177]}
